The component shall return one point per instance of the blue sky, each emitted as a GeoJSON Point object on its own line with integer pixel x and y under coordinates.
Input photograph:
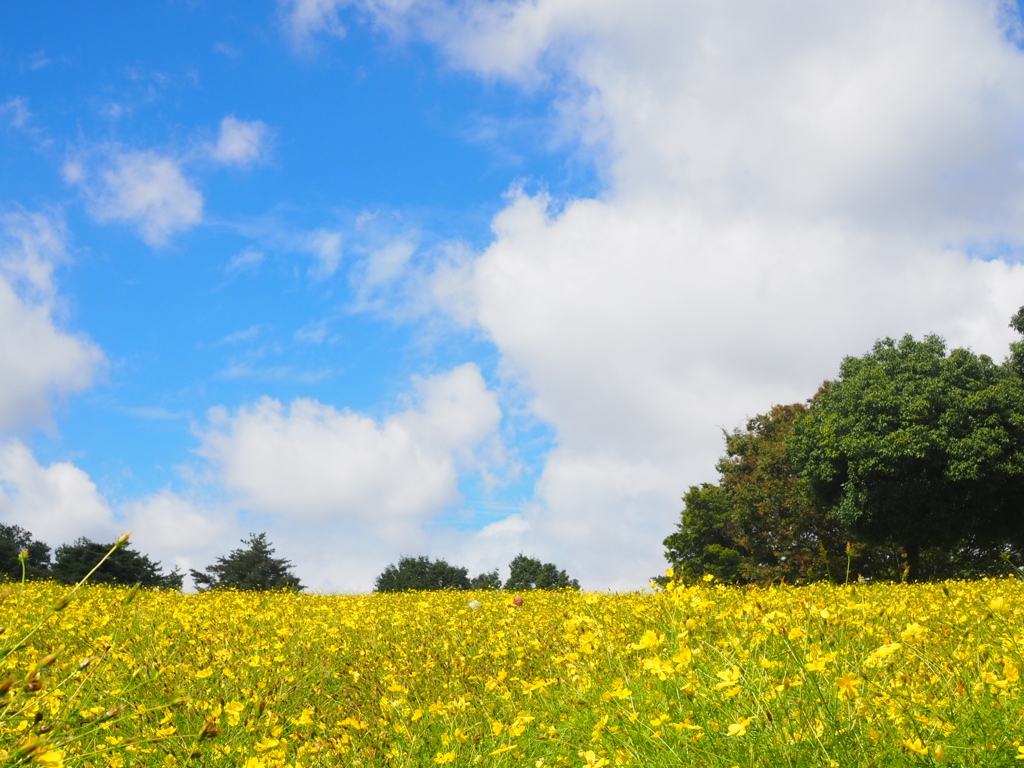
{"type": "Point", "coordinates": [469, 278]}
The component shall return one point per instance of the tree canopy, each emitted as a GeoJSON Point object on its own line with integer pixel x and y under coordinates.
{"type": "Point", "coordinates": [421, 573]}
{"type": "Point", "coordinates": [252, 568]}
{"type": "Point", "coordinates": [917, 447]}
{"type": "Point", "coordinates": [761, 522]}
{"type": "Point", "coordinates": [529, 573]}
{"type": "Point", "coordinates": [13, 540]}
{"type": "Point", "coordinates": [72, 562]}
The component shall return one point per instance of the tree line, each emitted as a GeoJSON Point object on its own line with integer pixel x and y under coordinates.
{"type": "Point", "coordinates": [421, 573]}
{"type": "Point", "coordinates": [252, 567]}
{"type": "Point", "coordinates": [910, 464]}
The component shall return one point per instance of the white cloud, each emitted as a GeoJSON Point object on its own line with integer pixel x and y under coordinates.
{"type": "Point", "coordinates": [246, 334]}
{"type": "Point", "coordinates": [57, 503]}
{"type": "Point", "coordinates": [385, 265]}
{"type": "Point", "coordinates": [310, 460]}
{"type": "Point", "coordinates": [325, 246]}
{"type": "Point", "coordinates": [249, 259]}
{"type": "Point", "coordinates": [38, 60]}
{"type": "Point", "coordinates": [38, 360]}
{"type": "Point", "coordinates": [241, 143]}
{"type": "Point", "coordinates": [312, 333]}
{"type": "Point", "coordinates": [305, 18]}
{"type": "Point", "coordinates": [144, 189]}
{"type": "Point", "coordinates": [786, 182]}
{"type": "Point", "coordinates": [179, 532]}
{"type": "Point", "coordinates": [17, 112]}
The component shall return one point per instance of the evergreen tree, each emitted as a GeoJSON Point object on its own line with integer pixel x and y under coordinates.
{"type": "Point", "coordinates": [252, 568]}
{"type": "Point", "coordinates": [13, 540]}
{"type": "Point", "coordinates": [72, 562]}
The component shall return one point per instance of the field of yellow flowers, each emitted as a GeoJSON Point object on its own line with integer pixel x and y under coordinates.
{"type": "Point", "coordinates": [866, 675]}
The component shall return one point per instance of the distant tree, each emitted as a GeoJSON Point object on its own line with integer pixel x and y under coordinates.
{"type": "Point", "coordinates": [488, 580]}
{"type": "Point", "coordinates": [72, 562]}
{"type": "Point", "coordinates": [529, 573]}
{"type": "Point", "coordinates": [14, 539]}
{"type": "Point", "coordinates": [920, 448]}
{"type": "Point", "coordinates": [252, 568]}
{"type": "Point", "coordinates": [421, 573]}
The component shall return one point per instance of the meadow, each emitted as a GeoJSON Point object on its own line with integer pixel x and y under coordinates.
{"type": "Point", "coordinates": [705, 675]}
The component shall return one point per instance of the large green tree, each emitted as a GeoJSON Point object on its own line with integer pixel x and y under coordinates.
{"type": "Point", "coordinates": [252, 568]}
{"type": "Point", "coordinates": [72, 562]}
{"type": "Point", "coordinates": [530, 573]}
{"type": "Point", "coordinates": [761, 521]}
{"type": "Point", "coordinates": [918, 447]}
{"type": "Point", "coordinates": [13, 540]}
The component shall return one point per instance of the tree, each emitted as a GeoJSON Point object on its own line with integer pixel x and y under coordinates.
{"type": "Point", "coordinates": [72, 562]}
{"type": "Point", "coordinates": [920, 448]}
{"type": "Point", "coordinates": [761, 522]}
{"type": "Point", "coordinates": [529, 573]}
{"type": "Point", "coordinates": [421, 573]}
{"type": "Point", "coordinates": [252, 568]}
{"type": "Point", "coordinates": [706, 539]}
{"type": "Point", "coordinates": [1016, 360]}
{"type": "Point", "coordinates": [13, 540]}
{"type": "Point", "coordinates": [488, 580]}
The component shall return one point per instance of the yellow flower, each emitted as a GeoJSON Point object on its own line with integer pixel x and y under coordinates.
{"type": "Point", "coordinates": [650, 639]}
{"type": "Point", "coordinates": [913, 633]}
{"type": "Point", "coordinates": [51, 758]}
{"type": "Point", "coordinates": [234, 711]}
{"type": "Point", "coordinates": [730, 677]}
{"type": "Point", "coordinates": [739, 728]}
{"type": "Point", "coordinates": [202, 674]}
{"type": "Point", "coordinates": [444, 757]}
{"type": "Point", "coordinates": [916, 745]}
{"type": "Point", "coordinates": [592, 760]}
{"type": "Point", "coordinates": [884, 651]}
{"type": "Point", "coordinates": [848, 686]}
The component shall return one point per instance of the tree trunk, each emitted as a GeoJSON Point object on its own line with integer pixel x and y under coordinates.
{"type": "Point", "coordinates": [913, 561]}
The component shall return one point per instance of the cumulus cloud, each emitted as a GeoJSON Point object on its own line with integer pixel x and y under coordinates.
{"type": "Point", "coordinates": [178, 531]}
{"type": "Point", "coordinates": [39, 361]}
{"type": "Point", "coordinates": [57, 503]}
{"type": "Point", "coordinates": [240, 143]}
{"type": "Point", "coordinates": [143, 189]}
{"type": "Point", "coordinates": [785, 183]}
{"type": "Point", "coordinates": [309, 460]}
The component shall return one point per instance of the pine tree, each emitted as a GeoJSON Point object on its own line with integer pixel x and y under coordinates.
{"type": "Point", "coordinates": [252, 568]}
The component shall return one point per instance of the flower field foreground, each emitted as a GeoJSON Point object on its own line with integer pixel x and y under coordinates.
{"type": "Point", "coordinates": [880, 675]}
